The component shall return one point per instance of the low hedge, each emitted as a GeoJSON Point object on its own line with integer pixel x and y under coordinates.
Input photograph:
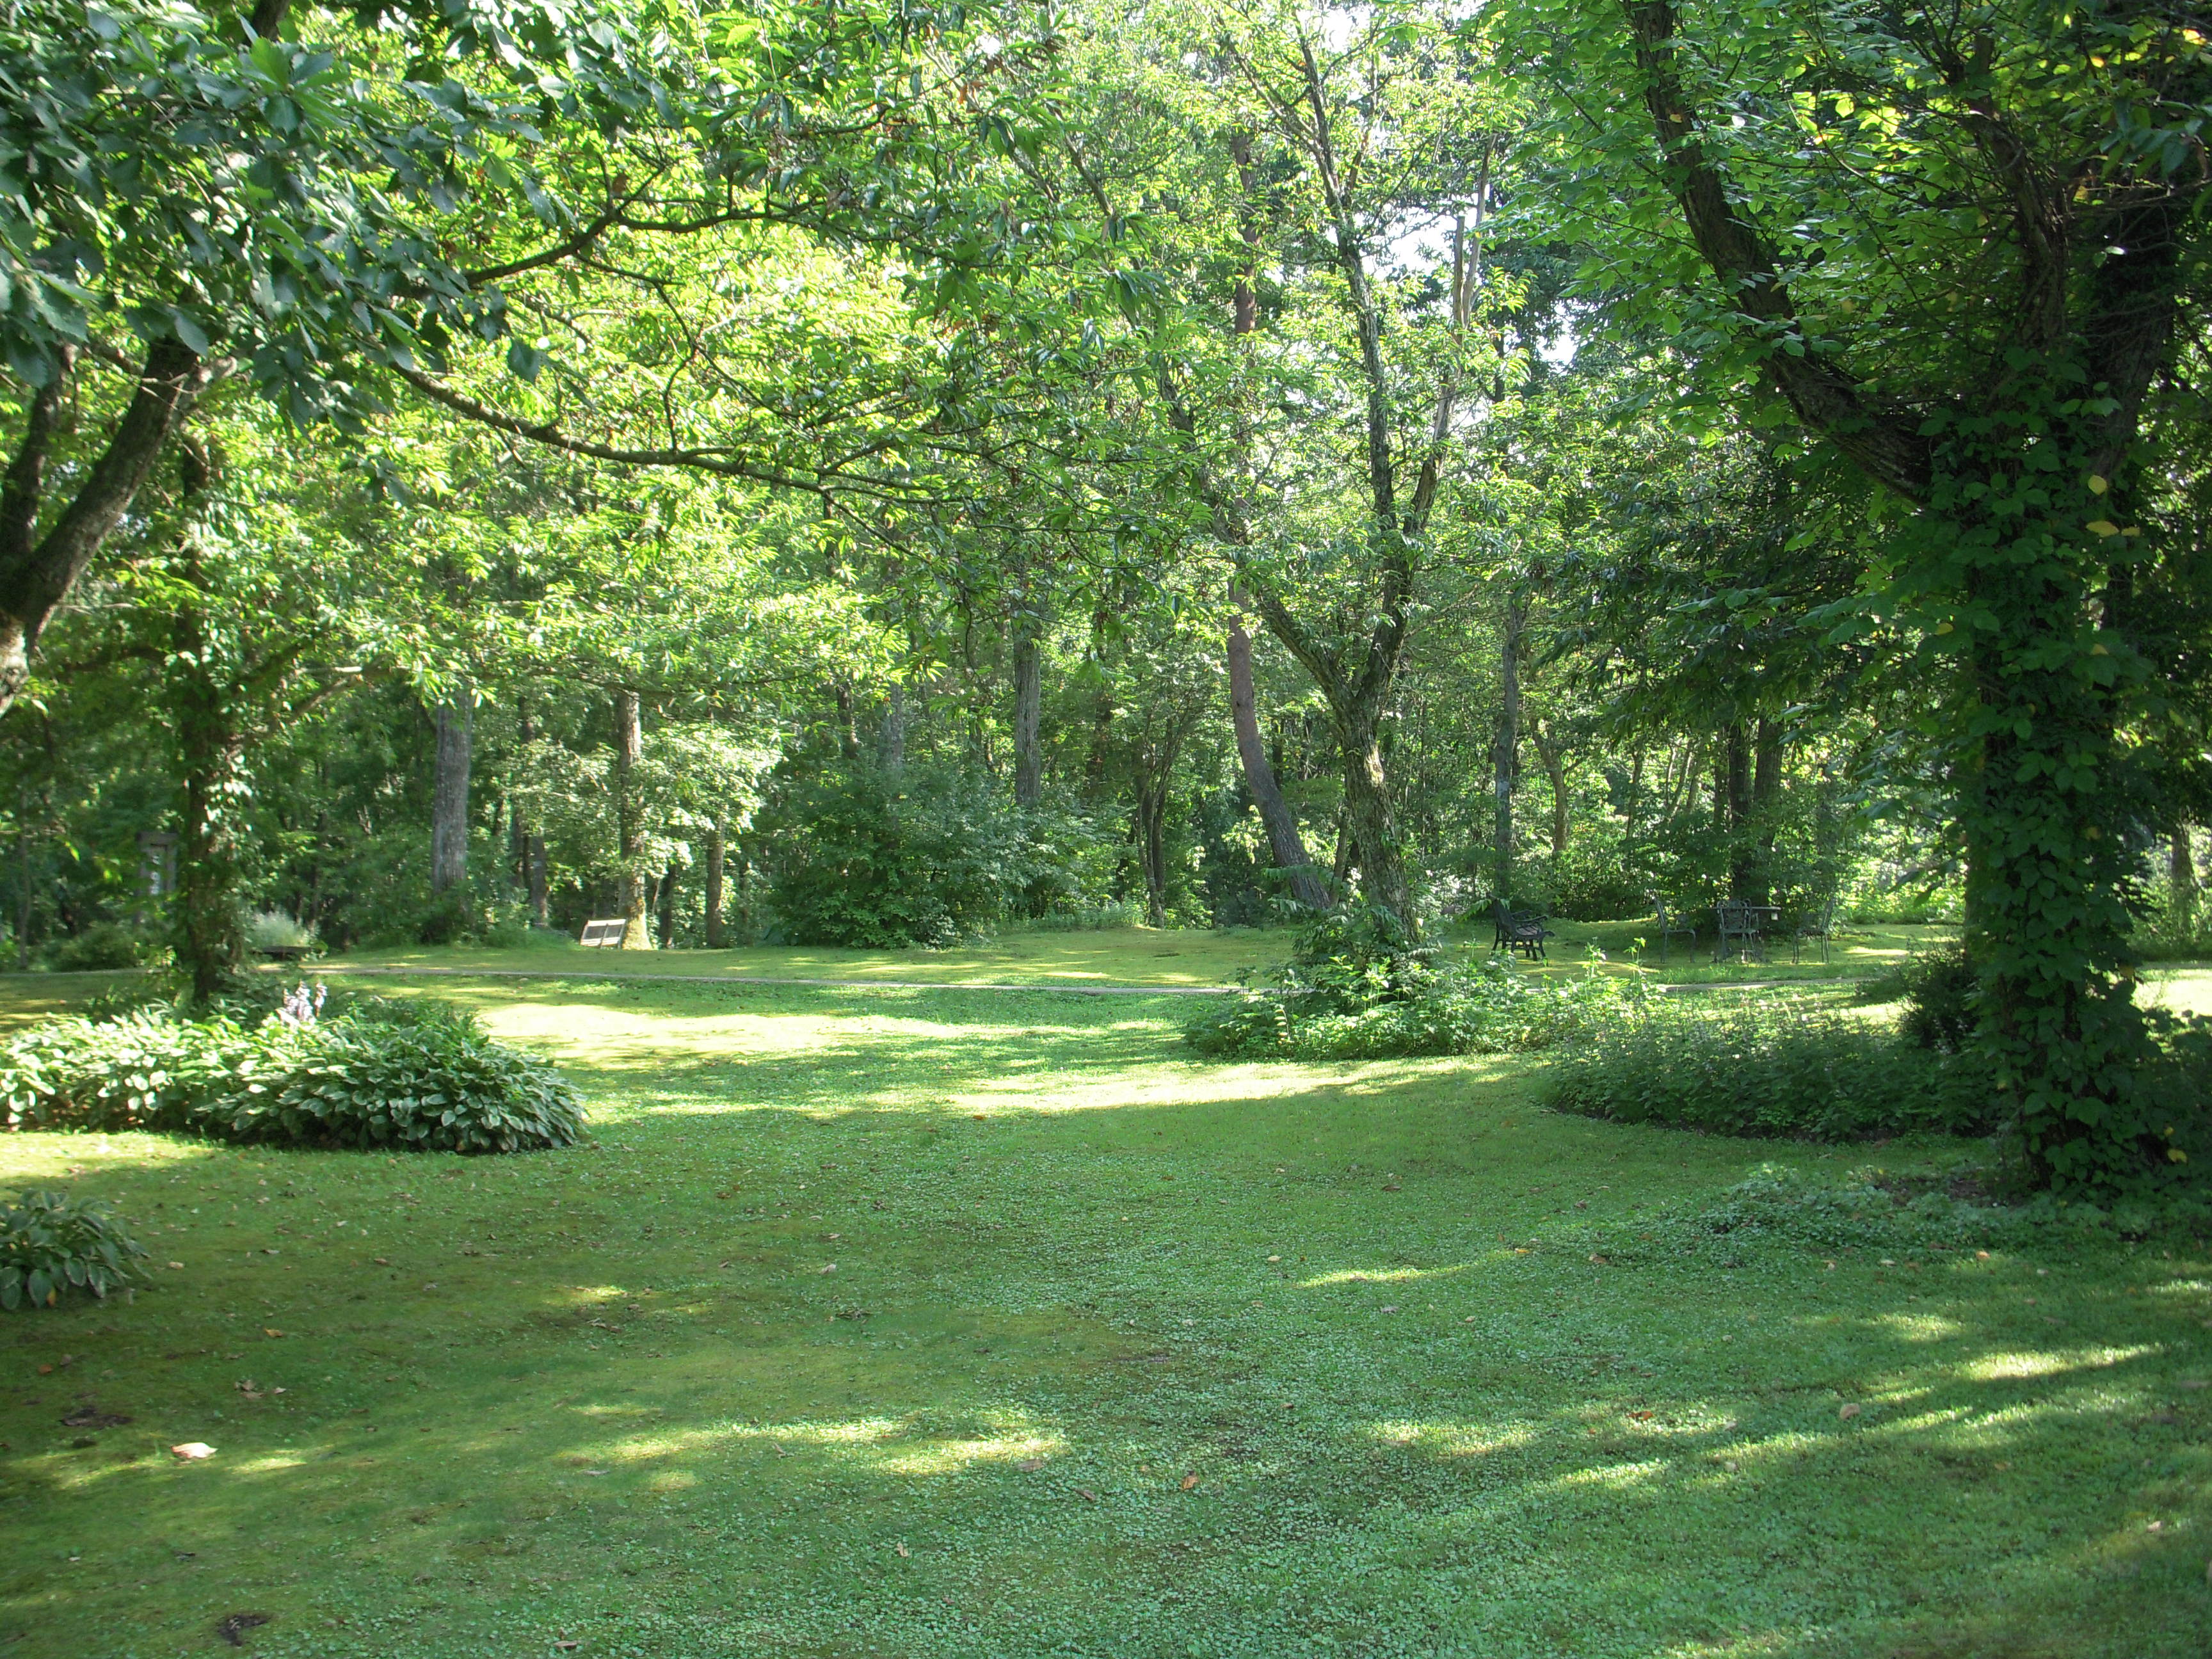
{"type": "Point", "coordinates": [439, 1085]}
{"type": "Point", "coordinates": [1772, 1066]}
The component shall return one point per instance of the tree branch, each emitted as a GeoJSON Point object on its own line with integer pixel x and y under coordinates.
{"type": "Point", "coordinates": [1825, 397]}
{"type": "Point", "coordinates": [26, 482]}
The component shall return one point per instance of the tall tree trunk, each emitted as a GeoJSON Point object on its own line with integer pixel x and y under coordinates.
{"type": "Point", "coordinates": [1151, 848]}
{"type": "Point", "coordinates": [1028, 711]}
{"type": "Point", "coordinates": [1284, 842]}
{"type": "Point", "coordinates": [449, 806]}
{"type": "Point", "coordinates": [630, 819]}
{"type": "Point", "coordinates": [848, 733]}
{"type": "Point", "coordinates": [2181, 880]}
{"type": "Point", "coordinates": [1373, 825]}
{"type": "Point", "coordinates": [1552, 752]}
{"type": "Point", "coordinates": [519, 842]}
{"type": "Point", "coordinates": [1767, 751]}
{"type": "Point", "coordinates": [716, 938]}
{"type": "Point", "coordinates": [1505, 749]}
{"type": "Point", "coordinates": [539, 915]}
{"type": "Point", "coordinates": [1732, 787]}
{"type": "Point", "coordinates": [204, 920]}
{"type": "Point", "coordinates": [890, 736]}
{"type": "Point", "coordinates": [24, 892]}
{"type": "Point", "coordinates": [667, 907]}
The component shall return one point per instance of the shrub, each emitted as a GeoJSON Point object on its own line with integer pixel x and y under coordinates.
{"type": "Point", "coordinates": [1358, 987]}
{"type": "Point", "coordinates": [51, 1242]}
{"type": "Point", "coordinates": [436, 1085]}
{"type": "Point", "coordinates": [1774, 1066]}
{"type": "Point", "coordinates": [1941, 1000]}
{"type": "Point", "coordinates": [1593, 880]}
{"type": "Point", "coordinates": [274, 930]}
{"type": "Point", "coordinates": [105, 945]}
{"type": "Point", "coordinates": [927, 854]}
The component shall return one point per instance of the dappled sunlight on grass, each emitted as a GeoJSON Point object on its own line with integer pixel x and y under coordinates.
{"type": "Point", "coordinates": [1919, 1328]}
{"type": "Point", "coordinates": [801, 1357]}
{"type": "Point", "coordinates": [2047, 1362]}
{"type": "Point", "coordinates": [1455, 1439]}
{"type": "Point", "coordinates": [1381, 1276]}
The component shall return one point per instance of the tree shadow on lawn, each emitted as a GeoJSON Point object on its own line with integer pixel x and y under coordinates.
{"type": "Point", "coordinates": [589, 1393]}
{"type": "Point", "coordinates": [1393, 1482]}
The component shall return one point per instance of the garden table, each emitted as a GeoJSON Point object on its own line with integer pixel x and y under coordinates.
{"type": "Point", "coordinates": [1744, 928]}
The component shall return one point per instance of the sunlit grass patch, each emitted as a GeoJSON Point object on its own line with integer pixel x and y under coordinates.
{"type": "Point", "coordinates": [804, 1357]}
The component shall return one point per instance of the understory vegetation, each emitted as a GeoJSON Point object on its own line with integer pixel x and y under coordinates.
{"type": "Point", "coordinates": [1357, 987]}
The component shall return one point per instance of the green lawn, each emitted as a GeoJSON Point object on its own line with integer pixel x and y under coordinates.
{"type": "Point", "coordinates": [1119, 956]}
{"type": "Point", "coordinates": [1120, 1356]}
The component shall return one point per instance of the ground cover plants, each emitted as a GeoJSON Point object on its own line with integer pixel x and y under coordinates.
{"type": "Point", "coordinates": [382, 1076]}
{"type": "Point", "coordinates": [978, 1323]}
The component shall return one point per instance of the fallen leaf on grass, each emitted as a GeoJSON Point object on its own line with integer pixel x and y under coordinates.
{"type": "Point", "coordinates": [177, 1266]}
{"type": "Point", "coordinates": [192, 1450]}
{"type": "Point", "coordinates": [267, 1330]}
{"type": "Point", "coordinates": [1086, 1494]}
{"type": "Point", "coordinates": [380, 1262]}
{"type": "Point", "coordinates": [1850, 1410]}
{"type": "Point", "coordinates": [1188, 1481]}
{"type": "Point", "coordinates": [902, 1551]}
{"type": "Point", "coordinates": [1030, 1465]}
{"type": "Point", "coordinates": [831, 1268]}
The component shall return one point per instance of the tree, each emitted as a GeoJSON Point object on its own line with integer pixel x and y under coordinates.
{"type": "Point", "coordinates": [1976, 338]}
{"type": "Point", "coordinates": [288, 195]}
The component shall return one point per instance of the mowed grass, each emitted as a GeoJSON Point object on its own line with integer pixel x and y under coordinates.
{"type": "Point", "coordinates": [1115, 956]}
{"type": "Point", "coordinates": [1121, 1355]}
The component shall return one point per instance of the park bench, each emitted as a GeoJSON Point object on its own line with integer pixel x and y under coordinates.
{"type": "Point", "coordinates": [605, 935]}
{"type": "Point", "coordinates": [1519, 930]}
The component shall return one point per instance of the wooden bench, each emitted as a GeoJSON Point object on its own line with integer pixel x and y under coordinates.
{"type": "Point", "coordinates": [605, 935]}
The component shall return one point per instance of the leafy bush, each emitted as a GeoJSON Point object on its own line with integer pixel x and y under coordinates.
{"type": "Point", "coordinates": [105, 945]}
{"type": "Point", "coordinates": [436, 1085]}
{"type": "Point", "coordinates": [276, 930]}
{"type": "Point", "coordinates": [859, 855]}
{"type": "Point", "coordinates": [1594, 880]}
{"type": "Point", "coordinates": [1358, 987]}
{"type": "Point", "coordinates": [51, 1242]}
{"type": "Point", "coordinates": [1763, 1067]}
{"type": "Point", "coordinates": [1942, 1000]}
